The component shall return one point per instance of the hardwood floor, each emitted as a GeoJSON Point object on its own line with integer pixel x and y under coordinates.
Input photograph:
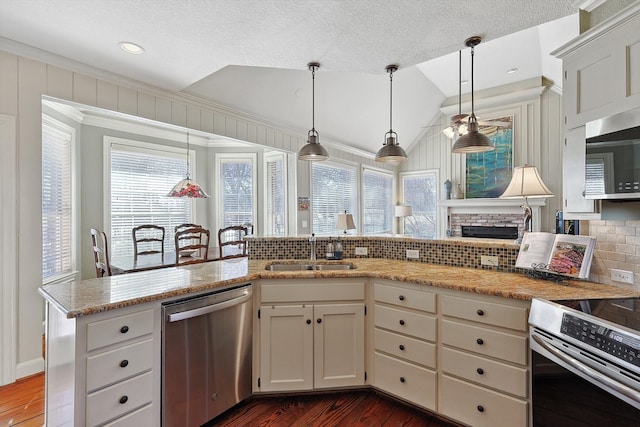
{"type": "Point", "coordinates": [22, 405]}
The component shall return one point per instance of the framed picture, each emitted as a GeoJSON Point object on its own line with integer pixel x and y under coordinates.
{"type": "Point", "coordinates": [303, 203]}
{"type": "Point", "coordinates": [488, 174]}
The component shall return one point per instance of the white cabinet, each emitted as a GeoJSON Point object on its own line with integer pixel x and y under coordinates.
{"type": "Point", "coordinates": [405, 342]}
{"type": "Point", "coordinates": [311, 334]}
{"type": "Point", "coordinates": [575, 206]}
{"type": "Point", "coordinates": [104, 369]}
{"type": "Point", "coordinates": [484, 357]}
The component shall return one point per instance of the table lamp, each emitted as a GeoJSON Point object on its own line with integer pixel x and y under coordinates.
{"type": "Point", "coordinates": [345, 222]}
{"type": "Point", "coordinates": [526, 183]}
{"type": "Point", "coordinates": [403, 211]}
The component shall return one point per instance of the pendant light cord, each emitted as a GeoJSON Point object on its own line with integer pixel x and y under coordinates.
{"type": "Point", "coordinates": [313, 98]}
{"type": "Point", "coordinates": [391, 100]}
{"type": "Point", "coordinates": [188, 155]}
{"type": "Point", "coordinates": [459, 83]}
{"type": "Point", "coordinates": [472, 101]}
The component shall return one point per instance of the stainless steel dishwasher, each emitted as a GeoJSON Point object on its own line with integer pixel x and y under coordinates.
{"type": "Point", "coordinates": [206, 356]}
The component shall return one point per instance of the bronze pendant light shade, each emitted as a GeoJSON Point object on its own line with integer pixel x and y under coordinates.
{"type": "Point", "coordinates": [391, 151]}
{"type": "Point", "coordinates": [473, 141]}
{"type": "Point", "coordinates": [312, 150]}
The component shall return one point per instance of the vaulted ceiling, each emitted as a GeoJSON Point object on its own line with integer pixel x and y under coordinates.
{"type": "Point", "coordinates": [252, 55]}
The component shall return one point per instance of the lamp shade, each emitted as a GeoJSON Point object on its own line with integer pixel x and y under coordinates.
{"type": "Point", "coordinates": [473, 141]}
{"type": "Point", "coordinates": [403, 210]}
{"type": "Point", "coordinates": [312, 150]}
{"type": "Point", "coordinates": [188, 188]}
{"type": "Point", "coordinates": [345, 222]}
{"type": "Point", "coordinates": [526, 182]}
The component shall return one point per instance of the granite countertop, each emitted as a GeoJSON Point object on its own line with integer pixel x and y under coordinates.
{"type": "Point", "coordinates": [96, 295]}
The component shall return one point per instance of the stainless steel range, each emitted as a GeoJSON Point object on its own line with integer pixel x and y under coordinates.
{"type": "Point", "coordinates": [585, 362]}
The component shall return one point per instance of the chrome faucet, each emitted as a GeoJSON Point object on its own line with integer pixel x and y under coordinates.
{"type": "Point", "coordinates": [312, 241]}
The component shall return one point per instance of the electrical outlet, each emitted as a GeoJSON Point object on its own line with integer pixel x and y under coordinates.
{"type": "Point", "coordinates": [489, 260]}
{"type": "Point", "coordinates": [361, 251]}
{"type": "Point", "coordinates": [622, 276]}
{"type": "Point", "coordinates": [413, 254]}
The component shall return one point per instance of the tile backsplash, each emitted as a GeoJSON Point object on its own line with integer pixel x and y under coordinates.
{"type": "Point", "coordinates": [617, 246]}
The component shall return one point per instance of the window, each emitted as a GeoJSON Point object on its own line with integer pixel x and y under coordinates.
{"type": "Point", "coordinates": [334, 190]}
{"type": "Point", "coordinates": [57, 200]}
{"type": "Point", "coordinates": [236, 189]}
{"type": "Point", "coordinates": [275, 212]}
{"type": "Point", "coordinates": [420, 191]}
{"type": "Point", "coordinates": [141, 176]}
{"type": "Point", "coordinates": [377, 202]}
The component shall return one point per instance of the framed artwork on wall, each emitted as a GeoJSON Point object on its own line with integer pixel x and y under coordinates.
{"type": "Point", "coordinates": [487, 174]}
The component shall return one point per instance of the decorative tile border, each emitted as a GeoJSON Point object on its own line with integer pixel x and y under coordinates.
{"type": "Point", "coordinates": [452, 252]}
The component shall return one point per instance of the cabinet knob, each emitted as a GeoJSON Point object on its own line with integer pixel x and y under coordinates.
{"type": "Point", "coordinates": [480, 371]}
{"type": "Point", "coordinates": [124, 363]}
{"type": "Point", "coordinates": [124, 329]}
{"type": "Point", "coordinates": [308, 321]}
{"type": "Point", "coordinates": [319, 320]}
{"type": "Point", "coordinates": [401, 322]}
{"type": "Point", "coordinates": [480, 341]}
{"type": "Point", "coordinates": [402, 379]}
{"type": "Point", "coordinates": [401, 297]}
{"type": "Point", "coordinates": [480, 312]}
{"type": "Point", "coordinates": [123, 399]}
{"type": "Point", "coordinates": [480, 408]}
{"type": "Point", "coordinates": [401, 347]}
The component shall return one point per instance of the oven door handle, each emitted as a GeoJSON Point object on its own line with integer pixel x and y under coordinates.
{"type": "Point", "coordinates": [590, 372]}
{"type": "Point", "coordinates": [175, 317]}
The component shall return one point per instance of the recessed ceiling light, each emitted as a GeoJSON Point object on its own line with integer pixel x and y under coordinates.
{"type": "Point", "coordinates": [512, 70]}
{"type": "Point", "coordinates": [132, 48]}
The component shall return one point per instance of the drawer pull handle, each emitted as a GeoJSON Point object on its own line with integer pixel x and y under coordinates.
{"type": "Point", "coordinates": [401, 297]}
{"type": "Point", "coordinates": [402, 322]}
{"type": "Point", "coordinates": [480, 408]}
{"type": "Point", "coordinates": [480, 341]}
{"type": "Point", "coordinates": [124, 363]}
{"type": "Point", "coordinates": [308, 321]}
{"type": "Point", "coordinates": [401, 347]}
{"type": "Point", "coordinates": [124, 329]}
{"type": "Point", "coordinates": [123, 399]}
{"type": "Point", "coordinates": [402, 379]}
{"type": "Point", "coordinates": [319, 320]}
{"type": "Point", "coordinates": [480, 371]}
{"type": "Point", "coordinates": [480, 312]}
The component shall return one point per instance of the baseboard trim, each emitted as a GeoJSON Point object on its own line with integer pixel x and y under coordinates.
{"type": "Point", "coordinates": [30, 367]}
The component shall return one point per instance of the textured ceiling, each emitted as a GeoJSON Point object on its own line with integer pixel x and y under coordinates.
{"type": "Point", "coordinates": [251, 55]}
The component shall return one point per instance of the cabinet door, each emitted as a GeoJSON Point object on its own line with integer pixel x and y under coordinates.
{"type": "Point", "coordinates": [573, 173]}
{"type": "Point", "coordinates": [339, 345]}
{"type": "Point", "coordinates": [286, 347]}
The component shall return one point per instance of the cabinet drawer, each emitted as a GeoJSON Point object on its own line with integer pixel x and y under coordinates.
{"type": "Point", "coordinates": [407, 381]}
{"type": "Point", "coordinates": [410, 298]}
{"type": "Point", "coordinates": [485, 312]}
{"type": "Point", "coordinates": [512, 348]}
{"type": "Point", "coordinates": [479, 407]}
{"type": "Point", "coordinates": [493, 374]}
{"type": "Point", "coordinates": [112, 366]}
{"type": "Point", "coordinates": [118, 329]}
{"type": "Point", "coordinates": [417, 325]}
{"type": "Point", "coordinates": [420, 352]}
{"type": "Point", "coordinates": [119, 399]}
{"type": "Point", "coordinates": [141, 417]}
{"type": "Point", "coordinates": [297, 291]}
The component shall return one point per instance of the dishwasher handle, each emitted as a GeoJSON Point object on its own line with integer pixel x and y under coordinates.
{"type": "Point", "coordinates": [175, 317]}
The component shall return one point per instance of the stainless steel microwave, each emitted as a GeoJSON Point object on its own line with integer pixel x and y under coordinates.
{"type": "Point", "coordinates": [613, 157]}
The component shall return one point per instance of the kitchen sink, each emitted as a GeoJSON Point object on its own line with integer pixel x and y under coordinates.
{"type": "Point", "coordinates": [305, 266]}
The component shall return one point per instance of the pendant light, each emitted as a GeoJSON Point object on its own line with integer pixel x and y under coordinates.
{"type": "Point", "coordinates": [457, 127]}
{"type": "Point", "coordinates": [188, 187]}
{"type": "Point", "coordinates": [473, 141]}
{"type": "Point", "coordinates": [312, 150]}
{"type": "Point", "coordinates": [391, 151]}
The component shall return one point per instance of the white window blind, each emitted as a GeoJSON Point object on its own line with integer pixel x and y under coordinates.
{"type": "Point", "coordinates": [140, 181]}
{"type": "Point", "coordinates": [334, 190]}
{"type": "Point", "coordinates": [377, 199]}
{"type": "Point", "coordinates": [276, 195]}
{"type": "Point", "coordinates": [420, 191]}
{"type": "Point", "coordinates": [57, 212]}
{"type": "Point", "coordinates": [237, 191]}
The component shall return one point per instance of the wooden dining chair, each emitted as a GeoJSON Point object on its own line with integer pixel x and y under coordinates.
{"type": "Point", "coordinates": [100, 253]}
{"type": "Point", "coordinates": [192, 245]}
{"type": "Point", "coordinates": [231, 243]}
{"type": "Point", "coordinates": [150, 236]}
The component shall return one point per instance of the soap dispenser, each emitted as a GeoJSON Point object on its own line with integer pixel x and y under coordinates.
{"type": "Point", "coordinates": [329, 253]}
{"type": "Point", "coordinates": [337, 251]}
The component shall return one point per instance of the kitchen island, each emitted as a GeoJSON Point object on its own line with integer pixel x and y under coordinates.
{"type": "Point", "coordinates": [87, 383]}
